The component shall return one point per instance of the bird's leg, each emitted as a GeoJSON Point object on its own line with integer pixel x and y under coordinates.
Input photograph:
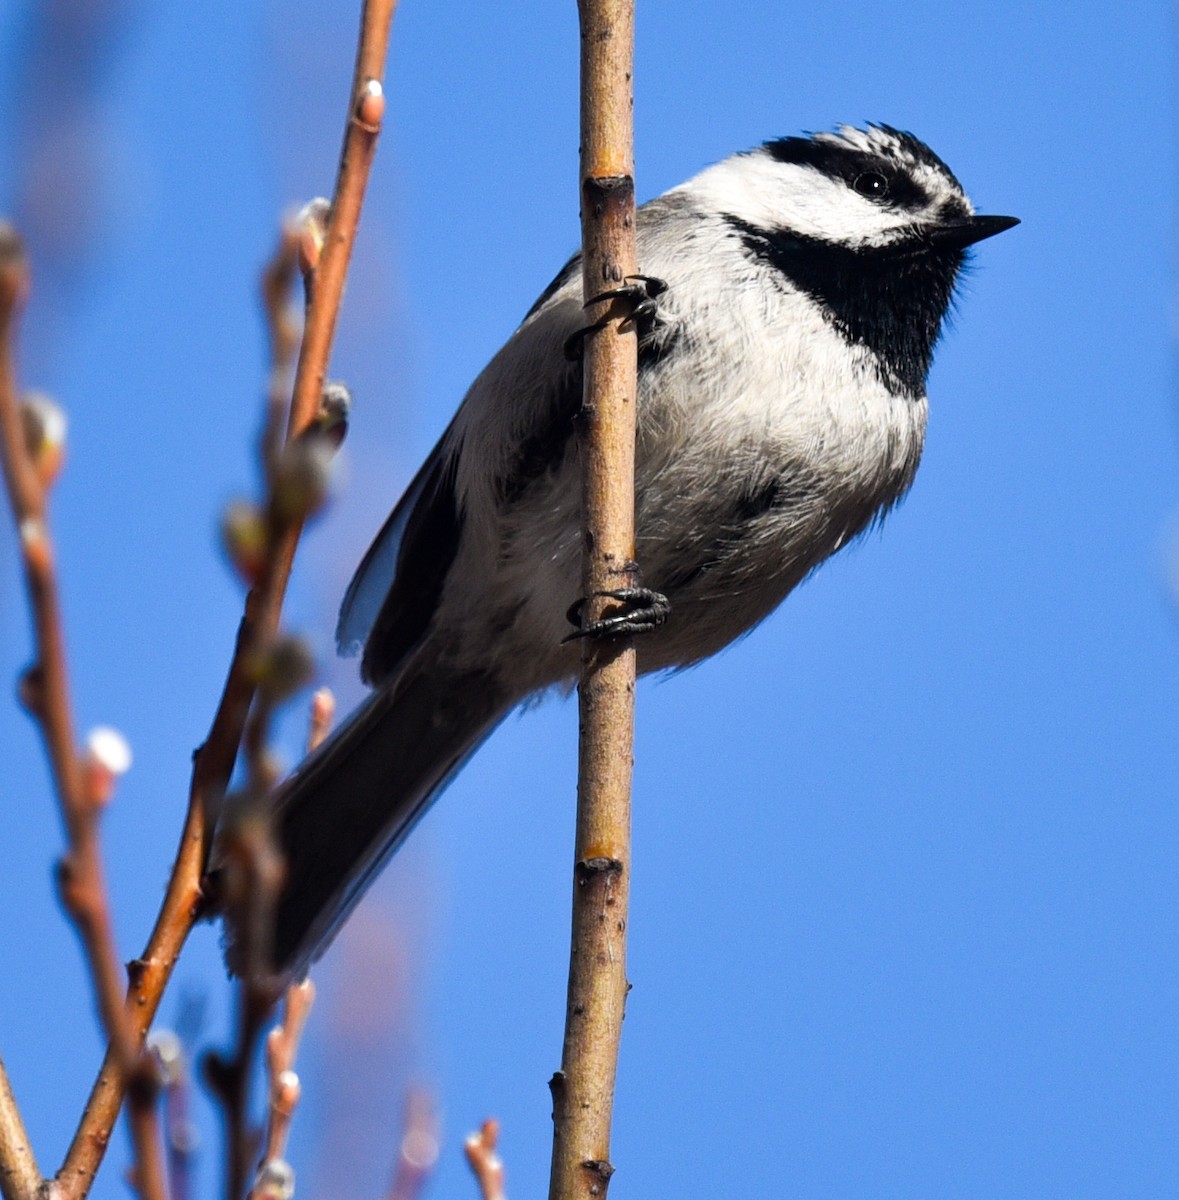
{"type": "Point", "coordinates": [640, 291]}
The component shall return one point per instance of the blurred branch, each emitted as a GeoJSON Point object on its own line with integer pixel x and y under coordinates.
{"type": "Point", "coordinates": [214, 761]}
{"type": "Point", "coordinates": [282, 1046]}
{"type": "Point", "coordinates": [45, 685]}
{"type": "Point", "coordinates": [181, 1138]}
{"type": "Point", "coordinates": [418, 1153]}
{"type": "Point", "coordinates": [84, 784]}
{"type": "Point", "coordinates": [253, 872]}
{"type": "Point", "coordinates": [19, 1177]}
{"type": "Point", "coordinates": [282, 325]}
{"type": "Point", "coordinates": [486, 1164]}
{"type": "Point", "coordinates": [583, 1089]}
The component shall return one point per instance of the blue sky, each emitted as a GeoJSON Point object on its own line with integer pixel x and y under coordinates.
{"type": "Point", "coordinates": [904, 875]}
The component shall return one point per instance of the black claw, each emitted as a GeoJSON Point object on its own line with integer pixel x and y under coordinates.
{"type": "Point", "coordinates": [643, 611]}
{"type": "Point", "coordinates": [641, 294]}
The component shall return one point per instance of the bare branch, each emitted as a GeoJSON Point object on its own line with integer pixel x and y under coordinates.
{"type": "Point", "coordinates": [253, 876]}
{"type": "Point", "coordinates": [19, 1177]}
{"type": "Point", "coordinates": [282, 1045]}
{"type": "Point", "coordinates": [84, 784]}
{"type": "Point", "coordinates": [215, 759]}
{"type": "Point", "coordinates": [486, 1164]}
{"type": "Point", "coordinates": [168, 1051]}
{"type": "Point", "coordinates": [583, 1090]}
{"type": "Point", "coordinates": [45, 686]}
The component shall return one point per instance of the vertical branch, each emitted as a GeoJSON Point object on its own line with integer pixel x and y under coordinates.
{"type": "Point", "coordinates": [45, 686]}
{"type": "Point", "coordinates": [214, 761]}
{"type": "Point", "coordinates": [83, 784]}
{"type": "Point", "coordinates": [583, 1090]}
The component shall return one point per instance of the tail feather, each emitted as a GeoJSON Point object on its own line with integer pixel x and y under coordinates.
{"type": "Point", "coordinates": [340, 816]}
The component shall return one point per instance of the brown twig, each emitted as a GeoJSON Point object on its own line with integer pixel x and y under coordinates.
{"type": "Point", "coordinates": [282, 1045]}
{"type": "Point", "coordinates": [418, 1153]}
{"type": "Point", "coordinates": [253, 871]}
{"type": "Point", "coordinates": [83, 784]}
{"type": "Point", "coordinates": [19, 1177]}
{"type": "Point", "coordinates": [214, 760]}
{"type": "Point", "coordinates": [486, 1164]}
{"type": "Point", "coordinates": [180, 1133]}
{"type": "Point", "coordinates": [583, 1089]}
{"type": "Point", "coordinates": [45, 687]}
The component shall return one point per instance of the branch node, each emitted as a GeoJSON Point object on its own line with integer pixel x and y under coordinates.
{"type": "Point", "coordinates": [599, 1167]}
{"type": "Point", "coordinates": [30, 690]}
{"type": "Point", "coordinates": [588, 868]}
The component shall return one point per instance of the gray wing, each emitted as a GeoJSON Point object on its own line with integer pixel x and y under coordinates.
{"type": "Point", "coordinates": [398, 586]}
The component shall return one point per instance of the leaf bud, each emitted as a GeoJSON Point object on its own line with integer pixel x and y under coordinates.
{"type": "Point", "coordinates": [302, 478]}
{"type": "Point", "coordinates": [283, 667]}
{"type": "Point", "coordinates": [45, 426]}
{"type": "Point", "coordinates": [244, 536]}
{"type": "Point", "coordinates": [312, 223]}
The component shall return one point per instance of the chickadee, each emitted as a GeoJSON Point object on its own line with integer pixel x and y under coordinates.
{"type": "Point", "coordinates": [799, 289]}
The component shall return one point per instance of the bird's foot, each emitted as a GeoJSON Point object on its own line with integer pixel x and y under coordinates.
{"type": "Point", "coordinates": [640, 291]}
{"type": "Point", "coordinates": [643, 610]}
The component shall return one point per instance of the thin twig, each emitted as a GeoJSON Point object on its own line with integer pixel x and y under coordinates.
{"type": "Point", "coordinates": [168, 1049]}
{"type": "Point", "coordinates": [45, 687]}
{"type": "Point", "coordinates": [148, 1176]}
{"type": "Point", "coordinates": [418, 1153]}
{"type": "Point", "coordinates": [486, 1165]}
{"type": "Point", "coordinates": [282, 1046]}
{"type": "Point", "coordinates": [214, 760]}
{"type": "Point", "coordinates": [19, 1177]}
{"type": "Point", "coordinates": [253, 871]}
{"type": "Point", "coordinates": [583, 1089]}
{"type": "Point", "coordinates": [83, 786]}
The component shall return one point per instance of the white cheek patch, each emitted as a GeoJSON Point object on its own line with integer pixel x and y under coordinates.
{"type": "Point", "coordinates": [770, 194]}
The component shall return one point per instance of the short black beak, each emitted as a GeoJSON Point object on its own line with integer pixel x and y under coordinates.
{"type": "Point", "coordinates": [958, 234]}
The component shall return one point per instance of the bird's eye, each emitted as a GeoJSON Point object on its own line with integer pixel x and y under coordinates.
{"type": "Point", "coordinates": [871, 184]}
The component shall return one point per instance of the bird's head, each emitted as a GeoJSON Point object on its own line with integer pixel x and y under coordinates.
{"type": "Point", "coordinates": [865, 189]}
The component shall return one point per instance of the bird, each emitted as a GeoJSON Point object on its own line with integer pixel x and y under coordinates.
{"type": "Point", "coordinates": [791, 299]}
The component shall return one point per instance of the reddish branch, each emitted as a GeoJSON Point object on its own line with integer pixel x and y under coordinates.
{"type": "Point", "coordinates": [583, 1089]}
{"type": "Point", "coordinates": [282, 1046]}
{"type": "Point", "coordinates": [82, 784]}
{"type": "Point", "coordinates": [215, 759]}
{"type": "Point", "coordinates": [486, 1165]}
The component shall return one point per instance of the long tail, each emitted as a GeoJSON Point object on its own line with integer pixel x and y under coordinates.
{"type": "Point", "coordinates": [340, 816]}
